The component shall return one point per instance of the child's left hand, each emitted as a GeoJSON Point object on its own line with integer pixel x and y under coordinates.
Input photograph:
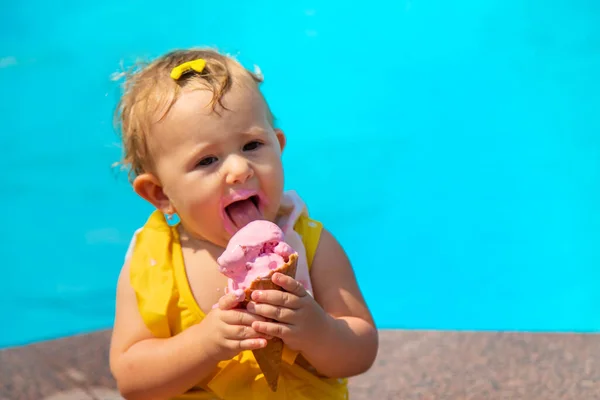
{"type": "Point", "coordinates": [297, 318]}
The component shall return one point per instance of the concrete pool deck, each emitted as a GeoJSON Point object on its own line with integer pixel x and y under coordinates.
{"type": "Point", "coordinates": [424, 365]}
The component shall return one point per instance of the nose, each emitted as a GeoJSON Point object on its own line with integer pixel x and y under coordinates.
{"type": "Point", "coordinates": [238, 170]}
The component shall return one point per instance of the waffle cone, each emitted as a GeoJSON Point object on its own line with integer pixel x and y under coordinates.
{"type": "Point", "coordinates": [269, 357]}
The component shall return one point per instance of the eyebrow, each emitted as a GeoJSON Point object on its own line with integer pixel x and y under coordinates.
{"type": "Point", "coordinates": [254, 131]}
{"type": "Point", "coordinates": [196, 150]}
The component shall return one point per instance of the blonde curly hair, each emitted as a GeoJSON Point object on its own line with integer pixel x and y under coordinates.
{"type": "Point", "coordinates": [149, 93]}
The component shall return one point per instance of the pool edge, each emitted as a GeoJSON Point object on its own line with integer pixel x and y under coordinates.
{"type": "Point", "coordinates": [410, 364]}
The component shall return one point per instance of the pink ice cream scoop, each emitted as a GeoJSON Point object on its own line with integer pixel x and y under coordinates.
{"type": "Point", "coordinates": [253, 252]}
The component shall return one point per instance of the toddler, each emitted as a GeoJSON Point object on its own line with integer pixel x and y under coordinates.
{"type": "Point", "coordinates": [201, 145]}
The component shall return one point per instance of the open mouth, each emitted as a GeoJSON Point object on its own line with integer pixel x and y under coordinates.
{"type": "Point", "coordinates": [242, 212]}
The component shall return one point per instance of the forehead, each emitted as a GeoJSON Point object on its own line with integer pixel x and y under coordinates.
{"type": "Point", "coordinates": [193, 117]}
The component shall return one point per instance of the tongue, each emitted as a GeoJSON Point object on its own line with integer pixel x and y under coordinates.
{"type": "Point", "coordinates": [243, 212]}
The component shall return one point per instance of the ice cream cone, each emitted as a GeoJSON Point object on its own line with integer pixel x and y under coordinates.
{"type": "Point", "coordinates": [269, 357]}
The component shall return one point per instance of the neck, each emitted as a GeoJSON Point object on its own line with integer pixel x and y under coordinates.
{"type": "Point", "coordinates": [195, 242]}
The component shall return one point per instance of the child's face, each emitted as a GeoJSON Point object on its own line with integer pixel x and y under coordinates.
{"type": "Point", "coordinates": [218, 170]}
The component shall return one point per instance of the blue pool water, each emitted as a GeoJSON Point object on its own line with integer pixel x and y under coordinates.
{"type": "Point", "coordinates": [462, 138]}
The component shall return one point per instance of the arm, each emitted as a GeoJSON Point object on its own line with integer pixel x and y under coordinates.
{"type": "Point", "coordinates": [334, 331]}
{"type": "Point", "coordinates": [348, 340]}
{"type": "Point", "coordinates": [146, 367]}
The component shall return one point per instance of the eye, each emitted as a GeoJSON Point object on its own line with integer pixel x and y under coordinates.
{"type": "Point", "coordinates": [206, 161]}
{"type": "Point", "coordinates": [252, 145]}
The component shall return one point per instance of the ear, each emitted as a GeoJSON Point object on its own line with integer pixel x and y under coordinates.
{"type": "Point", "coordinates": [148, 187]}
{"type": "Point", "coordinates": [280, 138]}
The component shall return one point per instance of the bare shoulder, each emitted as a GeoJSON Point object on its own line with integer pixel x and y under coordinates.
{"type": "Point", "coordinates": [334, 281]}
{"type": "Point", "coordinates": [129, 327]}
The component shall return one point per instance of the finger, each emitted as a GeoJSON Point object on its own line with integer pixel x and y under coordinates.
{"type": "Point", "coordinates": [277, 298]}
{"type": "Point", "coordinates": [240, 317]}
{"type": "Point", "coordinates": [231, 300]}
{"type": "Point", "coordinates": [273, 329]}
{"type": "Point", "coordinates": [269, 311]}
{"type": "Point", "coordinates": [289, 284]}
{"type": "Point", "coordinates": [242, 332]}
{"type": "Point", "coordinates": [247, 344]}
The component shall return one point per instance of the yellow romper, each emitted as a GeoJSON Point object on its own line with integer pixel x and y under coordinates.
{"type": "Point", "coordinates": [168, 307]}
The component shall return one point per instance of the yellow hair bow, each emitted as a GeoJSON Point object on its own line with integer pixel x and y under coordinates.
{"type": "Point", "coordinates": [195, 65]}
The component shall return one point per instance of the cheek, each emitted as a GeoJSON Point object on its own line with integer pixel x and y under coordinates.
{"type": "Point", "coordinates": [202, 209]}
{"type": "Point", "coordinates": [274, 185]}
{"type": "Point", "coordinates": [197, 195]}
{"type": "Point", "coordinates": [273, 174]}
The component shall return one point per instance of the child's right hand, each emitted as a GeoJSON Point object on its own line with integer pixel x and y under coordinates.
{"type": "Point", "coordinates": [230, 329]}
